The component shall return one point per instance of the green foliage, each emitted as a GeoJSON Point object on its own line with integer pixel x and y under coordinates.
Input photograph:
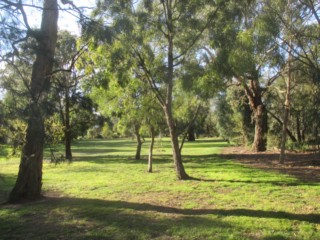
{"type": "Point", "coordinates": [54, 130]}
{"type": "Point", "coordinates": [224, 122]}
{"type": "Point", "coordinates": [233, 117]}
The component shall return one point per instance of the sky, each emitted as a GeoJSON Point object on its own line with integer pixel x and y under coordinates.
{"type": "Point", "coordinates": [66, 19]}
{"type": "Point", "coordinates": [69, 22]}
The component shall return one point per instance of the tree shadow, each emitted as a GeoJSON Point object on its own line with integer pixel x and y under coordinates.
{"type": "Point", "coordinates": [3, 151]}
{"type": "Point", "coordinates": [274, 183]}
{"type": "Point", "coordinates": [121, 159]}
{"type": "Point", "coordinates": [77, 218]}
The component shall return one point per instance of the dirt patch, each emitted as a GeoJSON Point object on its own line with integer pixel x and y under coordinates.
{"type": "Point", "coordinates": [305, 166]}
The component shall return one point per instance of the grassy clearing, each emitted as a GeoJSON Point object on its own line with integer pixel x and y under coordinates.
{"type": "Point", "coordinates": [106, 194]}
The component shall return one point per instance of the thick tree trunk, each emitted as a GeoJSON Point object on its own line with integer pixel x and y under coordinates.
{"type": "Point", "coordinates": [150, 158]}
{"type": "Point", "coordinates": [254, 95]}
{"type": "Point", "coordinates": [67, 131]}
{"type": "Point", "coordinates": [260, 120]}
{"type": "Point", "coordinates": [29, 181]}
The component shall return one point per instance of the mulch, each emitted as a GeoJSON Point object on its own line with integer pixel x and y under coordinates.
{"type": "Point", "coordinates": [302, 165]}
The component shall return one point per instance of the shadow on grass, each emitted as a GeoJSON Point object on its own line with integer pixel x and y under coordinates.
{"type": "Point", "coordinates": [145, 207]}
{"type": "Point", "coordinates": [213, 162]}
{"type": "Point", "coordinates": [76, 218]}
{"type": "Point", "coordinates": [112, 159]}
{"type": "Point", "coordinates": [6, 183]}
{"type": "Point", "coordinates": [274, 183]}
{"type": "Point", "coordinates": [3, 151]}
{"type": "Point", "coordinates": [255, 166]}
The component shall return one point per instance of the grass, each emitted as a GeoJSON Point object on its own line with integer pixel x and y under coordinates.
{"type": "Point", "coordinates": [106, 194]}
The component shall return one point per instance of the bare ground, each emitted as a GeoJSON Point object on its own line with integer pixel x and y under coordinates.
{"type": "Point", "coordinates": [304, 166]}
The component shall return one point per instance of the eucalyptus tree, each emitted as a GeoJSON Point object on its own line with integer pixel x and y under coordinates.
{"type": "Point", "coordinates": [300, 42]}
{"type": "Point", "coordinates": [247, 53]}
{"type": "Point", "coordinates": [16, 29]}
{"type": "Point", "coordinates": [157, 38]}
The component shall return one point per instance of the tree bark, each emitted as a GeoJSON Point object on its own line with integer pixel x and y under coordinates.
{"type": "Point", "coordinates": [139, 142]}
{"type": "Point", "coordinates": [29, 181]}
{"type": "Point", "coordinates": [150, 158]}
{"type": "Point", "coordinates": [259, 141]}
{"type": "Point", "coordinates": [254, 95]}
{"type": "Point", "coordinates": [177, 158]}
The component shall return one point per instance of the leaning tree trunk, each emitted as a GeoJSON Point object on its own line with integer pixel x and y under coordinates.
{"type": "Point", "coordinates": [150, 158]}
{"type": "Point", "coordinates": [29, 180]}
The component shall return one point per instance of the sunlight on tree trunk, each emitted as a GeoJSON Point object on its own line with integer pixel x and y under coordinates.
{"type": "Point", "coordinates": [29, 181]}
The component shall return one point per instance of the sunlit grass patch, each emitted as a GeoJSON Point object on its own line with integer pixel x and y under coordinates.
{"type": "Point", "coordinates": [106, 194]}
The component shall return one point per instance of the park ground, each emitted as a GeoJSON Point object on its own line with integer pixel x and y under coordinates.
{"type": "Point", "coordinates": [106, 194]}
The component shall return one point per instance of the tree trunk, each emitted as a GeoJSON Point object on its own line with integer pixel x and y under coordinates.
{"type": "Point", "coordinates": [150, 158]}
{"type": "Point", "coordinates": [29, 181]}
{"type": "Point", "coordinates": [177, 158]}
{"type": "Point", "coordinates": [299, 136]}
{"type": "Point", "coordinates": [260, 120]}
{"type": "Point", "coordinates": [67, 131]}
{"type": "Point", "coordinates": [254, 95]}
{"type": "Point", "coordinates": [284, 132]}
{"type": "Point", "coordinates": [191, 134]}
{"type": "Point", "coordinates": [167, 107]}
{"type": "Point", "coordinates": [286, 107]}
{"type": "Point", "coordinates": [139, 142]}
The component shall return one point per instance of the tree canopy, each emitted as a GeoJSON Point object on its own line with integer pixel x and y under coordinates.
{"type": "Point", "coordinates": [244, 70]}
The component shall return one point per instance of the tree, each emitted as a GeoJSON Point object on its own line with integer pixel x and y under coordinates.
{"type": "Point", "coordinates": [245, 46]}
{"type": "Point", "coordinates": [66, 91]}
{"type": "Point", "coordinates": [299, 41]}
{"type": "Point", "coordinates": [158, 37]}
{"type": "Point", "coordinates": [29, 181]}
{"type": "Point", "coordinates": [132, 103]}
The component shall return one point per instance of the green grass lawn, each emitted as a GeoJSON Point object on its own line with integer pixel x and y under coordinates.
{"type": "Point", "coordinates": [106, 194]}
